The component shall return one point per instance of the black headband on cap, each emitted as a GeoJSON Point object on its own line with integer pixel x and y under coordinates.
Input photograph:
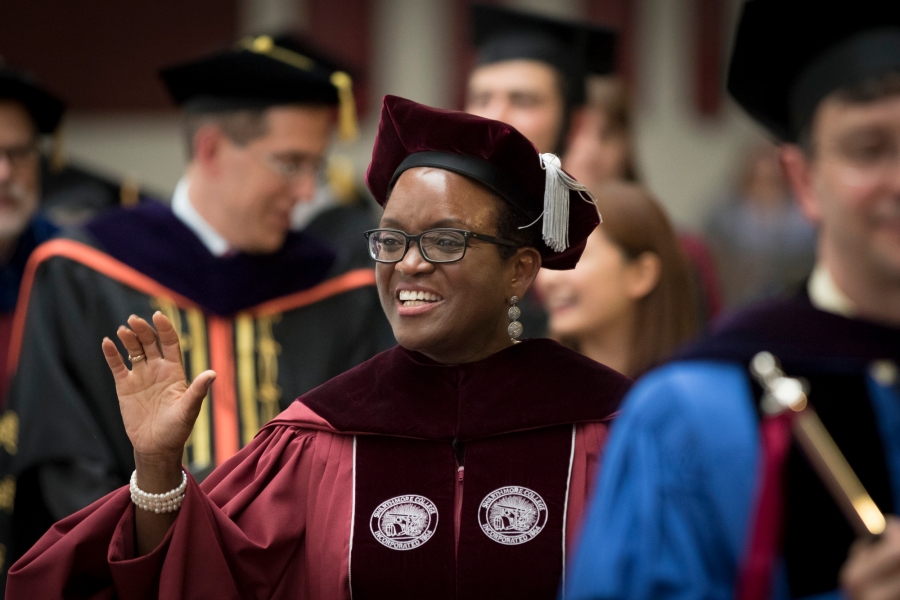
{"type": "Point", "coordinates": [470, 166]}
{"type": "Point", "coordinates": [870, 54]}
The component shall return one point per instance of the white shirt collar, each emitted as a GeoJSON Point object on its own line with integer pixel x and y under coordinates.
{"type": "Point", "coordinates": [187, 214]}
{"type": "Point", "coordinates": [825, 294]}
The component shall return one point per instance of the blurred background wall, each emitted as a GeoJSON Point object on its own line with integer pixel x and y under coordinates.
{"type": "Point", "coordinates": [102, 55]}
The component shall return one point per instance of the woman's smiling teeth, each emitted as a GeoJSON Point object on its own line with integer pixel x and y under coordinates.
{"type": "Point", "coordinates": [559, 302]}
{"type": "Point", "coordinates": [410, 298]}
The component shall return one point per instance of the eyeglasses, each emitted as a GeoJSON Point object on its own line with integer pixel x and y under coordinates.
{"type": "Point", "coordinates": [870, 159]}
{"type": "Point", "coordinates": [291, 167]}
{"type": "Point", "coordinates": [20, 155]}
{"type": "Point", "coordinates": [435, 245]}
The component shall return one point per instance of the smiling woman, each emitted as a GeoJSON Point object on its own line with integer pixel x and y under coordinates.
{"type": "Point", "coordinates": [454, 465]}
{"type": "Point", "coordinates": [629, 302]}
{"type": "Point", "coordinates": [460, 317]}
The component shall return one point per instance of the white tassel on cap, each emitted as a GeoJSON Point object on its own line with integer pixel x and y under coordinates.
{"type": "Point", "coordinates": [556, 202]}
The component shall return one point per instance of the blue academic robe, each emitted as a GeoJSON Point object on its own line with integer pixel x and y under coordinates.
{"type": "Point", "coordinates": [677, 492]}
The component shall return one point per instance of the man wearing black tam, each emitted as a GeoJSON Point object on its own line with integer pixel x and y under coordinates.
{"type": "Point", "coordinates": [275, 312]}
{"type": "Point", "coordinates": [530, 71]}
{"type": "Point", "coordinates": [703, 493]}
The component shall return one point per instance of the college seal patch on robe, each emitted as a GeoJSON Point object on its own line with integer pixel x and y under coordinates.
{"type": "Point", "coordinates": [512, 515]}
{"type": "Point", "coordinates": [404, 522]}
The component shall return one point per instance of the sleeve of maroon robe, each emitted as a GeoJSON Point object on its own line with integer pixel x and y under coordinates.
{"type": "Point", "coordinates": [243, 534]}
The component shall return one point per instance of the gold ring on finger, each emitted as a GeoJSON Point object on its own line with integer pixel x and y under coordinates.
{"type": "Point", "coordinates": [136, 358]}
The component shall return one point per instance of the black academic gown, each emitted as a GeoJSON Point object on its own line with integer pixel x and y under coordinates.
{"type": "Point", "coordinates": [272, 326]}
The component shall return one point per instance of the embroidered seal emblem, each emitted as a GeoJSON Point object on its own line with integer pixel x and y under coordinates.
{"type": "Point", "coordinates": [512, 515]}
{"type": "Point", "coordinates": [404, 522]}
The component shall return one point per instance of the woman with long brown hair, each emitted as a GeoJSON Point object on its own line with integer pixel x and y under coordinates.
{"type": "Point", "coordinates": [630, 301]}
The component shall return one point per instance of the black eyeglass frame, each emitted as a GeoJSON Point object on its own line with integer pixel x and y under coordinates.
{"type": "Point", "coordinates": [415, 238]}
{"type": "Point", "coordinates": [20, 153]}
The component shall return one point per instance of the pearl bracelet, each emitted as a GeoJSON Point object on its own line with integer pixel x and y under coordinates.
{"type": "Point", "coordinates": [158, 503]}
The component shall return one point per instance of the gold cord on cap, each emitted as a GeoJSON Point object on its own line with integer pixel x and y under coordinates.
{"type": "Point", "coordinates": [264, 44]}
{"type": "Point", "coordinates": [348, 129]}
{"type": "Point", "coordinates": [347, 123]}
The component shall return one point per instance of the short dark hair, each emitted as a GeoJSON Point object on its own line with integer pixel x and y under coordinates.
{"type": "Point", "coordinates": [509, 222]}
{"type": "Point", "coordinates": [240, 126]}
{"type": "Point", "coordinates": [867, 90]}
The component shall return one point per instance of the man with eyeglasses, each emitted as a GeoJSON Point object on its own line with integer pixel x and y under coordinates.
{"type": "Point", "coordinates": [274, 312]}
{"type": "Point", "coordinates": [27, 111]}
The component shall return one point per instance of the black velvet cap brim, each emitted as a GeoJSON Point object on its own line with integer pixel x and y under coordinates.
{"type": "Point", "coordinates": [284, 71]}
{"type": "Point", "coordinates": [244, 79]}
{"type": "Point", "coordinates": [789, 54]}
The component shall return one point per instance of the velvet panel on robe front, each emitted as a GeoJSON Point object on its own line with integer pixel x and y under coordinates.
{"type": "Point", "coordinates": [497, 526]}
{"type": "Point", "coordinates": [490, 445]}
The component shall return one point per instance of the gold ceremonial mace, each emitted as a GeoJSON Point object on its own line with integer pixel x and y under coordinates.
{"type": "Point", "coordinates": [785, 393]}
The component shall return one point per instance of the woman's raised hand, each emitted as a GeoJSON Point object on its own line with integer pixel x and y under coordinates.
{"type": "Point", "coordinates": [158, 405]}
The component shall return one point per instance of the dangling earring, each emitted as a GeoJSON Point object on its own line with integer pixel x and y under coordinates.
{"type": "Point", "coordinates": [515, 328]}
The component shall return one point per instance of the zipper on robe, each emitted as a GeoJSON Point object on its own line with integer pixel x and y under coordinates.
{"type": "Point", "coordinates": [459, 492]}
{"type": "Point", "coordinates": [459, 452]}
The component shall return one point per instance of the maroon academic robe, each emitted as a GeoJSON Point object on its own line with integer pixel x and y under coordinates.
{"type": "Point", "coordinates": [357, 490]}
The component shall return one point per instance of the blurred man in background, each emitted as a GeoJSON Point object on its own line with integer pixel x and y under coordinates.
{"type": "Point", "coordinates": [274, 312]}
{"type": "Point", "coordinates": [27, 112]}
{"type": "Point", "coordinates": [530, 71]}
{"type": "Point", "coordinates": [702, 492]}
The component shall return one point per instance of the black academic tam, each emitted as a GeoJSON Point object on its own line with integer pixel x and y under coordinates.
{"type": "Point", "coordinates": [790, 54]}
{"type": "Point", "coordinates": [45, 108]}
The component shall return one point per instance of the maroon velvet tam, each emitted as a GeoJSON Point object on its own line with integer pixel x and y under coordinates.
{"type": "Point", "coordinates": [497, 156]}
